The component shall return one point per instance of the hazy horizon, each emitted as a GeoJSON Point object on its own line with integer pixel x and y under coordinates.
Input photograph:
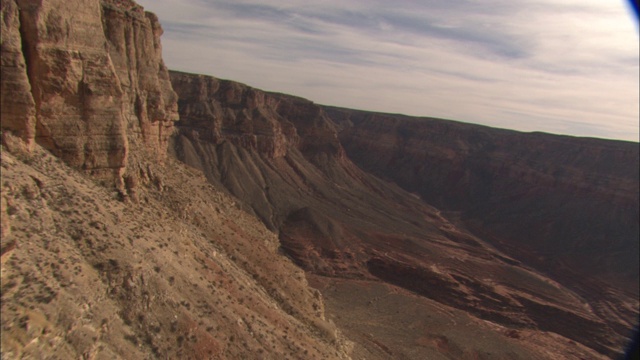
{"type": "Point", "coordinates": [569, 67]}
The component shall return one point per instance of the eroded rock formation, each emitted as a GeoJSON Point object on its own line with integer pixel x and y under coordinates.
{"type": "Point", "coordinates": [85, 79]}
{"type": "Point", "coordinates": [150, 104]}
{"type": "Point", "coordinates": [260, 146]}
{"type": "Point", "coordinates": [339, 222]}
{"type": "Point", "coordinates": [568, 205]}
{"type": "Point", "coordinates": [179, 273]}
{"type": "Point", "coordinates": [461, 241]}
{"type": "Point", "coordinates": [17, 108]}
{"type": "Point", "coordinates": [272, 124]}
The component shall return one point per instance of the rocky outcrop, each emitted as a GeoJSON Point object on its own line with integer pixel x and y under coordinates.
{"type": "Point", "coordinates": [150, 104]}
{"type": "Point", "coordinates": [89, 81]}
{"type": "Point", "coordinates": [262, 147]}
{"type": "Point", "coordinates": [269, 123]}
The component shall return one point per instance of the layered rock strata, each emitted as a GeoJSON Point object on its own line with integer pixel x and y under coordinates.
{"type": "Point", "coordinates": [566, 205]}
{"type": "Point", "coordinates": [272, 124]}
{"type": "Point", "coordinates": [85, 79]}
{"type": "Point", "coordinates": [17, 108]}
{"type": "Point", "coordinates": [180, 273]}
{"type": "Point", "coordinates": [258, 145]}
{"type": "Point", "coordinates": [339, 222]}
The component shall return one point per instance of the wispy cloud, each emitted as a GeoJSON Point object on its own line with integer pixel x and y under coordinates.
{"type": "Point", "coordinates": [567, 67]}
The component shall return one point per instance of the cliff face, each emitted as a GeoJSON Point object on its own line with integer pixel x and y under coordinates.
{"type": "Point", "coordinates": [531, 245]}
{"type": "Point", "coordinates": [179, 273]}
{"type": "Point", "coordinates": [250, 120]}
{"type": "Point", "coordinates": [17, 108]}
{"type": "Point", "coordinates": [566, 205]}
{"type": "Point", "coordinates": [281, 156]}
{"type": "Point", "coordinates": [227, 111]}
{"type": "Point", "coordinates": [88, 87]}
{"type": "Point", "coordinates": [260, 146]}
{"type": "Point", "coordinates": [150, 104]}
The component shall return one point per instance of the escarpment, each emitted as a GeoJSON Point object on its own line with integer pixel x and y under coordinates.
{"type": "Point", "coordinates": [17, 108]}
{"type": "Point", "coordinates": [567, 205]}
{"type": "Point", "coordinates": [250, 120]}
{"type": "Point", "coordinates": [424, 238]}
{"type": "Point", "coordinates": [85, 79]}
{"type": "Point", "coordinates": [349, 227]}
{"type": "Point", "coordinates": [179, 273]}
{"type": "Point", "coordinates": [272, 124]}
{"type": "Point", "coordinates": [260, 146]}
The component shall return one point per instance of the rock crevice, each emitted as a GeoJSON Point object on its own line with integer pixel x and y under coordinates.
{"type": "Point", "coordinates": [18, 106]}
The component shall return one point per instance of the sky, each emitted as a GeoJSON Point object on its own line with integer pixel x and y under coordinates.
{"type": "Point", "coordinates": [558, 66]}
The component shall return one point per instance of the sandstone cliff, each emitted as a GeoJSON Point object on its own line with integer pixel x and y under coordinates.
{"type": "Point", "coordinates": [180, 272]}
{"type": "Point", "coordinates": [258, 145]}
{"type": "Point", "coordinates": [469, 243]}
{"type": "Point", "coordinates": [269, 123]}
{"type": "Point", "coordinates": [566, 205]}
{"type": "Point", "coordinates": [85, 79]}
{"type": "Point", "coordinates": [17, 108]}
{"type": "Point", "coordinates": [354, 230]}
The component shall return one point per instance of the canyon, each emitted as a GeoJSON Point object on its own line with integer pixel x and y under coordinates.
{"type": "Point", "coordinates": [483, 251]}
{"type": "Point", "coordinates": [149, 213]}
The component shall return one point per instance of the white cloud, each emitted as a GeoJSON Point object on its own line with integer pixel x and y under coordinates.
{"type": "Point", "coordinates": [569, 67]}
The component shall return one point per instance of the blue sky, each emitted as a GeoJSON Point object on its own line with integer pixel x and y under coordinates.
{"type": "Point", "coordinates": [565, 66]}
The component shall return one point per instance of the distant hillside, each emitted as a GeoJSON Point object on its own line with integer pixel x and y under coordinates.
{"type": "Point", "coordinates": [290, 162]}
{"type": "Point", "coordinates": [567, 205]}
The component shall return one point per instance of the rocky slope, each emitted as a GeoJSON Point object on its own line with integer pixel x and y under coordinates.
{"type": "Point", "coordinates": [337, 221]}
{"type": "Point", "coordinates": [182, 274]}
{"type": "Point", "coordinates": [127, 253]}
